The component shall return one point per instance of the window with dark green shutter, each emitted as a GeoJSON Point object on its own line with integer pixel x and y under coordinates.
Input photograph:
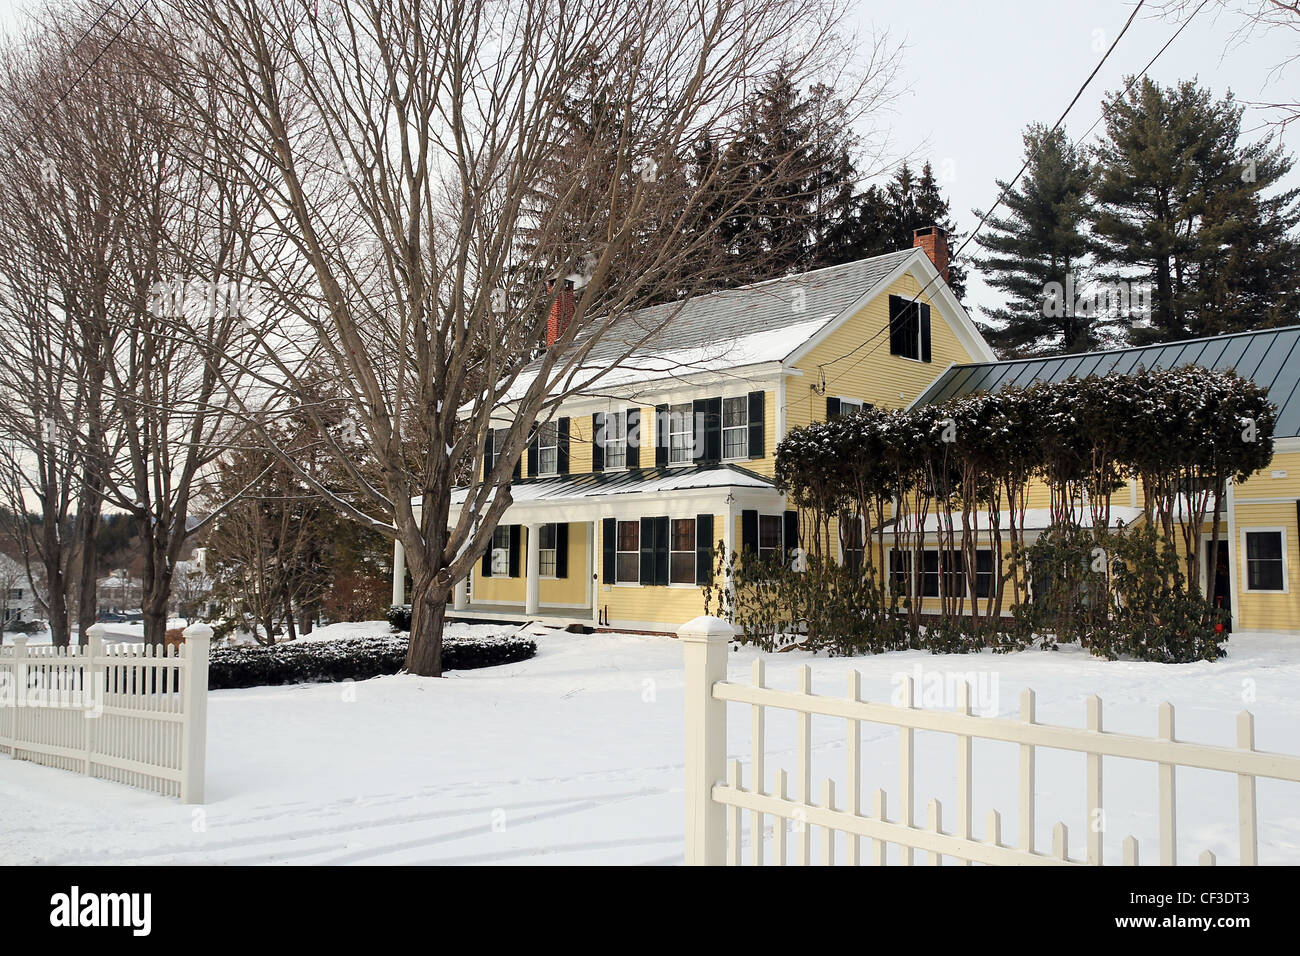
{"type": "Point", "coordinates": [703, 549]}
{"type": "Point", "coordinates": [909, 328]}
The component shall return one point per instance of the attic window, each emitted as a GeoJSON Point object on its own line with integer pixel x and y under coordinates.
{"type": "Point", "coordinates": [909, 328]}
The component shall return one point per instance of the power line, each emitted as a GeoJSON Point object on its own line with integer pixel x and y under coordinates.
{"type": "Point", "coordinates": [1009, 186]}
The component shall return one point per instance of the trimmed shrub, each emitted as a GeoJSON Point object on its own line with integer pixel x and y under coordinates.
{"type": "Point", "coordinates": [399, 618]}
{"type": "Point", "coordinates": [357, 658]}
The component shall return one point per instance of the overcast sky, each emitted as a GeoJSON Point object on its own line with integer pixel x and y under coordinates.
{"type": "Point", "coordinates": [980, 71]}
{"type": "Point", "coordinates": [977, 72]}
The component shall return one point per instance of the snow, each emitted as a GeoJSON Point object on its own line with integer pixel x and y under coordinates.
{"type": "Point", "coordinates": [575, 757]}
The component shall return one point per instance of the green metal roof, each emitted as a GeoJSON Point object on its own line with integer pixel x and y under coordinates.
{"type": "Point", "coordinates": [1270, 358]}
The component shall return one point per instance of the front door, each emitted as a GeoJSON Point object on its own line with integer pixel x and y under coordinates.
{"type": "Point", "coordinates": [1218, 581]}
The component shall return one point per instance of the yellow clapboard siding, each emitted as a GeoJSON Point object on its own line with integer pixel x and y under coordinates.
{"type": "Point", "coordinates": [1260, 610]}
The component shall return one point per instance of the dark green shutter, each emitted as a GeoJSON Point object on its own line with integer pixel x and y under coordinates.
{"type": "Point", "coordinates": [647, 576]}
{"type": "Point", "coordinates": [485, 568]}
{"type": "Point", "coordinates": [832, 408]}
{"type": "Point", "coordinates": [791, 535]}
{"type": "Point", "coordinates": [514, 550]}
{"type": "Point", "coordinates": [532, 452]}
{"type": "Point", "coordinates": [562, 449]}
{"type": "Point", "coordinates": [609, 543]}
{"type": "Point", "coordinates": [703, 549]}
{"type": "Point", "coordinates": [661, 435]}
{"type": "Point", "coordinates": [562, 549]}
{"type": "Point", "coordinates": [488, 458]}
{"type": "Point", "coordinates": [598, 441]}
{"type": "Point", "coordinates": [897, 325]}
{"type": "Point", "coordinates": [634, 438]}
{"type": "Point", "coordinates": [661, 551]}
{"type": "Point", "coordinates": [706, 428]}
{"type": "Point", "coordinates": [757, 433]}
{"type": "Point", "coordinates": [925, 333]}
{"type": "Point", "coordinates": [749, 530]}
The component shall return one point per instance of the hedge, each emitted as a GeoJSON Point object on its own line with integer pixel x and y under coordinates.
{"type": "Point", "coordinates": [356, 658]}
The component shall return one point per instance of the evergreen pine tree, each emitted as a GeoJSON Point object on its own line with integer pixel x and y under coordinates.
{"type": "Point", "coordinates": [1042, 239]}
{"type": "Point", "coordinates": [1184, 206]}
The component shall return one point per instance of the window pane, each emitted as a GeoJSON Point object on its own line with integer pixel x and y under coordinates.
{"type": "Point", "coordinates": [682, 567]}
{"type": "Point", "coordinates": [547, 538]}
{"type": "Point", "coordinates": [629, 536]}
{"type": "Point", "coordinates": [769, 531]}
{"type": "Point", "coordinates": [546, 565]}
{"type": "Point", "coordinates": [684, 534]}
{"type": "Point", "coordinates": [629, 568]}
{"type": "Point", "coordinates": [735, 411]}
{"type": "Point", "coordinates": [1264, 544]}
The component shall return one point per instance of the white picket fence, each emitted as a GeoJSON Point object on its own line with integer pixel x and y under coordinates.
{"type": "Point", "coordinates": [716, 794]}
{"type": "Point", "coordinates": [129, 713]}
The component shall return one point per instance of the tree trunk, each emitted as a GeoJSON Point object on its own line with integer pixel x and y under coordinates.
{"type": "Point", "coordinates": [428, 610]}
{"type": "Point", "coordinates": [155, 621]}
{"type": "Point", "coordinates": [290, 624]}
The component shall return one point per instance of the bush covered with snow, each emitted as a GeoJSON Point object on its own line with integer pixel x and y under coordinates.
{"type": "Point", "coordinates": [357, 658]}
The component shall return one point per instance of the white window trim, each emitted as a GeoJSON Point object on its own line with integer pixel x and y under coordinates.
{"type": "Point", "coordinates": [857, 402]}
{"type": "Point", "coordinates": [1245, 562]}
{"type": "Point", "coordinates": [540, 549]}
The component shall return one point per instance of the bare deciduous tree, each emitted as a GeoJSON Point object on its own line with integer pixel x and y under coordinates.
{"type": "Point", "coordinates": [421, 160]}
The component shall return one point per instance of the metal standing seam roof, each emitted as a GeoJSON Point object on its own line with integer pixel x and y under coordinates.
{"type": "Point", "coordinates": [1268, 357]}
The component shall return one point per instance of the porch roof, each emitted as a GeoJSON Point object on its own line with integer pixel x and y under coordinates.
{"type": "Point", "coordinates": [631, 481]}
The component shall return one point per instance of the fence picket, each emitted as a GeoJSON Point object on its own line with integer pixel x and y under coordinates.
{"type": "Point", "coordinates": [934, 823]}
{"type": "Point", "coordinates": [758, 749]}
{"type": "Point", "coordinates": [964, 783]}
{"type": "Point", "coordinates": [1247, 837]}
{"type": "Point", "coordinates": [1096, 815]}
{"type": "Point", "coordinates": [1168, 797]}
{"type": "Point", "coordinates": [1027, 707]}
{"type": "Point", "coordinates": [828, 834]}
{"type": "Point", "coordinates": [804, 758]}
{"type": "Point", "coordinates": [853, 756]}
{"type": "Point", "coordinates": [906, 771]}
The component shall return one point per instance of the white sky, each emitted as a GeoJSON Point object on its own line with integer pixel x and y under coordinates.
{"type": "Point", "coordinates": [979, 71]}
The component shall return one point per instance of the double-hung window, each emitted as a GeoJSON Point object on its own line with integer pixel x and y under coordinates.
{"type": "Point", "coordinates": [627, 561]}
{"type": "Point", "coordinates": [501, 550]}
{"type": "Point", "coordinates": [546, 553]}
{"type": "Point", "coordinates": [1265, 560]}
{"type": "Point", "coordinates": [735, 428]}
{"type": "Point", "coordinates": [681, 556]}
{"type": "Point", "coordinates": [681, 433]}
{"type": "Point", "coordinates": [615, 439]}
{"type": "Point", "coordinates": [548, 449]}
{"type": "Point", "coordinates": [770, 536]}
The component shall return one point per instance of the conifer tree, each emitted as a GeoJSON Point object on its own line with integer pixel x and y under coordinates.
{"type": "Point", "coordinates": [1186, 207]}
{"type": "Point", "coordinates": [1041, 241]}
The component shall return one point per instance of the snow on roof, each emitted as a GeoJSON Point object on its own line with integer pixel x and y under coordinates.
{"type": "Point", "coordinates": [731, 328]}
{"type": "Point", "coordinates": [634, 481]}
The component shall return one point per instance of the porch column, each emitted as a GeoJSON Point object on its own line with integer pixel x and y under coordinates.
{"type": "Point", "coordinates": [460, 590]}
{"type": "Point", "coordinates": [593, 581]}
{"type": "Point", "coordinates": [531, 598]}
{"type": "Point", "coordinates": [399, 573]}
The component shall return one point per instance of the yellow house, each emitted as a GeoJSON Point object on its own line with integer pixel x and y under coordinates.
{"type": "Point", "coordinates": [623, 494]}
{"type": "Point", "coordinates": [1255, 574]}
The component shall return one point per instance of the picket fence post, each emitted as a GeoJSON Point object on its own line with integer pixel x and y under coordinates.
{"type": "Point", "coordinates": [704, 641]}
{"type": "Point", "coordinates": [194, 726]}
{"type": "Point", "coordinates": [93, 687]}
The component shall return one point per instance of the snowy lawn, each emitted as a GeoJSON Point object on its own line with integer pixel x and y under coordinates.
{"type": "Point", "coordinates": [575, 756]}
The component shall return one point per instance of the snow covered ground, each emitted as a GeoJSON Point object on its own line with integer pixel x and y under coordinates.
{"type": "Point", "coordinates": [575, 756]}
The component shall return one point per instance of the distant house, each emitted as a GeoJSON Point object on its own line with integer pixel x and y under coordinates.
{"type": "Point", "coordinates": [17, 599]}
{"type": "Point", "coordinates": [621, 497]}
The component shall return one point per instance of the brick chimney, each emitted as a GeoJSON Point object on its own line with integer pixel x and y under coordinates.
{"type": "Point", "coordinates": [934, 241]}
{"type": "Point", "coordinates": [561, 310]}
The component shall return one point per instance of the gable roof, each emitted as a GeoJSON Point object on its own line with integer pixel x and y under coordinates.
{"type": "Point", "coordinates": [749, 325]}
{"type": "Point", "coordinates": [1269, 357]}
